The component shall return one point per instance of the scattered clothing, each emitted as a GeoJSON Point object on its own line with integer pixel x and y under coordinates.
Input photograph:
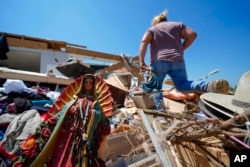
{"type": "Point", "coordinates": [19, 129]}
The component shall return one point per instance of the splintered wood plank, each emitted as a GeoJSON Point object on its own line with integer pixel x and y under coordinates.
{"type": "Point", "coordinates": [162, 156]}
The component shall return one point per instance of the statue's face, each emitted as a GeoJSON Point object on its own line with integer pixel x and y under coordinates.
{"type": "Point", "coordinates": [89, 83]}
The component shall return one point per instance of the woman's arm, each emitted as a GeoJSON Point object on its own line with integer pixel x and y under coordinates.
{"type": "Point", "coordinates": [146, 39]}
{"type": "Point", "coordinates": [189, 36]}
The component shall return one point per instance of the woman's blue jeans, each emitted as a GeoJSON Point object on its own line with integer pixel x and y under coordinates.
{"type": "Point", "coordinates": [177, 72]}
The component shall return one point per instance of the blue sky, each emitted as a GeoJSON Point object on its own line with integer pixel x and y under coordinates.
{"type": "Point", "coordinates": [116, 26]}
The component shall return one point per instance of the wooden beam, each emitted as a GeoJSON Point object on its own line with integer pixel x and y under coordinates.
{"type": "Point", "coordinates": [93, 54]}
{"type": "Point", "coordinates": [33, 76]}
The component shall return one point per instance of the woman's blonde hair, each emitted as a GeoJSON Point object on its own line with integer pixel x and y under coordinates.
{"type": "Point", "coordinates": [161, 17]}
